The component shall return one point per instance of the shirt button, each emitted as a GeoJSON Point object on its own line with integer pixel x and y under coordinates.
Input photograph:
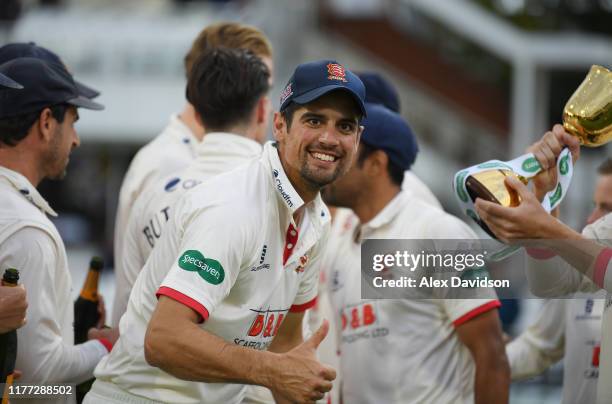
{"type": "Point", "coordinates": [289, 246]}
{"type": "Point", "coordinates": [293, 233]}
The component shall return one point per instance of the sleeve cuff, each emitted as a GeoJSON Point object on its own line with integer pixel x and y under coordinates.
{"type": "Point", "coordinates": [601, 266]}
{"type": "Point", "coordinates": [184, 299]}
{"type": "Point", "coordinates": [297, 308]}
{"type": "Point", "coordinates": [107, 344]}
{"type": "Point", "coordinates": [476, 312]}
{"type": "Point", "coordinates": [540, 253]}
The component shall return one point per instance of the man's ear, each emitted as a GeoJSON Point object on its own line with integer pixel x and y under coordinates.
{"type": "Point", "coordinates": [358, 137]}
{"type": "Point", "coordinates": [263, 109]}
{"type": "Point", "coordinates": [376, 163]}
{"type": "Point", "coordinates": [46, 125]}
{"type": "Point", "coordinates": [198, 118]}
{"type": "Point", "coordinates": [279, 128]}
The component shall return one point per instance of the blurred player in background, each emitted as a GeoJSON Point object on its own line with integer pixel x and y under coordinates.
{"type": "Point", "coordinates": [37, 136]}
{"type": "Point", "coordinates": [13, 302]}
{"type": "Point", "coordinates": [176, 147]}
{"type": "Point", "coordinates": [234, 136]}
{"type": "Point", "coordinates": [398, 351]}
{"type": "Point", "coordinates": [380, 91]}
{"type": "Point", "coordinates": [568, 328]}
{"type": "Point", "coordinates": [237, 121]}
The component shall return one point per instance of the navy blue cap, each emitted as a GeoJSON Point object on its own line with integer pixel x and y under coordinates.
{"type": "Point", "coordinates": [45, 84]}
{"type": "Point", "coordinates": [30, 49]}
{"type": "Point", "coordinates": [315, 79]}
{"type": "Point", "coordinates": [388, 131]}
{"type": "Point", "coordinates": [6, 81]}
{"type": "Point", "coordinates": [380, 91]}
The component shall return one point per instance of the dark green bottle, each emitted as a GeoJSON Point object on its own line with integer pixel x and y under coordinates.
{"type": "Point", "coordinates": [8, 341]}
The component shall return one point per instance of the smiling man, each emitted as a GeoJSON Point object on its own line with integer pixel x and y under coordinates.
{"type": "Point", "coordinates": [237, 265]}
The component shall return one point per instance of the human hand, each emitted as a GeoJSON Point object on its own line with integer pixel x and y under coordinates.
{"type": "Point", "coordinates": [511, 224]}
{"type": "Point", "coordinates": [546, 151]}
{"type": "Point", "coordinates": [101, 312]}
{"type": "Point", "coordinates": [13, 305]}
{"type": "Point", "coordinates": [301, 377]}
{"type": "Point", "coordinates": [111, 334]}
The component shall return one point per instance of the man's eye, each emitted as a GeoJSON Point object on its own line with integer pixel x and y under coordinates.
{"type": "Point", "coordinates": [313, 122]}
{"type": "Point", "coordinates": [346, 127]}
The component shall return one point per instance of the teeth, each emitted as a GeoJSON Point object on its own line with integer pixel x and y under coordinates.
{"type": "Point", "coordinates": [324, 157]}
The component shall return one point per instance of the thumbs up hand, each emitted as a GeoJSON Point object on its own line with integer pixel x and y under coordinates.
{"type": "Point", "coordinates": [301, 377]}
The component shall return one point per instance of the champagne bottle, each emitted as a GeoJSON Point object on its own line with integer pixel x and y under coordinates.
{"type": "Point", "coordinates": [8, 342]}
{"type": "Point", "coordinates": [86, 306]}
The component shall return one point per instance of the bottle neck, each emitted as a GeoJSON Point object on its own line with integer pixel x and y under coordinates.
{"type": "Point", "coordinates": [90, 288]}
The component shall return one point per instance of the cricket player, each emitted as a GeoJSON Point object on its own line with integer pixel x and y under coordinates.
{"type": "Point", "coordinates": [569, 262]}
{"type": "Point", "coordinates": [568, 328]}
{"type": "Point", "coordinates": [406, 351]}
{"type": "Point", "coordinates": [380, 91]}
{"type": "Point", "coordinates": [237, 265]}
{"type": "Point", "coordinates": [176, 147]}
{"type": "Point", "coordinates": [235, 113]}
{"type": "Point", "coordinates": [37, 135]}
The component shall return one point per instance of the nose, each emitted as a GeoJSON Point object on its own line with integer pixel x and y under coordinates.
{"type": "Point", "coordinates": [329, 136]}
{"type": "Point", "coordinates": [76, 141]}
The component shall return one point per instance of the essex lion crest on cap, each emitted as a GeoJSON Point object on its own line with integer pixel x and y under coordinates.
{"type": "Point", "coordinates": [336, 72]}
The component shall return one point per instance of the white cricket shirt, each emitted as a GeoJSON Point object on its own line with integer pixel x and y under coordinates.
{"type": "Point", "coordinates": [564, 328]}
{"type": "Point", "coordinates": [419, 189]}
{"type": "Point", "coordinates": [170, 151]}
{"type": "Point", "coordinates": [399, 351]}
{"type": "Point", "coordinates": [30, 242]}
{"type": "Point", "coordinates": [552, 277]}
{"type": "Point", "coordinates": [217, 153]}
{"type": "Point", "coordinates": [233, 254]}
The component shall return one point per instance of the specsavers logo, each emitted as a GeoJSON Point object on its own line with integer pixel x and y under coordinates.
{"type": "Point", "coordinates": [209, 269]}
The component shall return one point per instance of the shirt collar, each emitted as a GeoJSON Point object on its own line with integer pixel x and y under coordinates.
{"type": "Point", "coordinates": [283, 187]}
{"type": "Point", "coordinates": [26, 189]}
{"type": "Point", "coordinates": [180, 131]}
{"type": "Point", "coordinates": [223, 142]}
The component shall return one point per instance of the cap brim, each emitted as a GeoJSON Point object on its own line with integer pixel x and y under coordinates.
{"type": "Point", "coordinates": [86, 91]}
{"type": "Point", "coordinates": [321, 91]}
{"type": "Point", "coordinates": [8, 82]}
{"type": "Point", "coordinates": [86, 103]}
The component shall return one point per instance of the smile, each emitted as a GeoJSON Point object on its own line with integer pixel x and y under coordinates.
{"type": "Point", "coordinates": [324, 157]}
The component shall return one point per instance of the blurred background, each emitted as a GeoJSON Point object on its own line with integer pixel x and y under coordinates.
{"type": "Point", "coordinates": [478, 80]}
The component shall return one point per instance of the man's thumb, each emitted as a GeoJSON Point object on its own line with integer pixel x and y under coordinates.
{"type": "Point", "coordinates": [519, 187]}
{"type": "Point", "coordinates": [319, 335]}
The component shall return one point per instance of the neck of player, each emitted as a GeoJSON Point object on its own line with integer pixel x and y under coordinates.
{"type": "Point", "coordinates": [370, 203]}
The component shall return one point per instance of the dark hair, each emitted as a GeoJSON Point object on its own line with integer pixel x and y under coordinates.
{"type": "Point", "coordinates": [605, 168]}
{"type": "Point", "coordinates": [288, 112]}
{"type": "Point", "coordinates": [396, 173]}
{"type": "Point", "coordinates": [15, 128]}
{"type": "Point", "coordinates": [224, 86]}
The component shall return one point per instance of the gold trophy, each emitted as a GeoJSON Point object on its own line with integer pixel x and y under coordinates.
{"type": "Point", "coordinates": [587, 115]}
